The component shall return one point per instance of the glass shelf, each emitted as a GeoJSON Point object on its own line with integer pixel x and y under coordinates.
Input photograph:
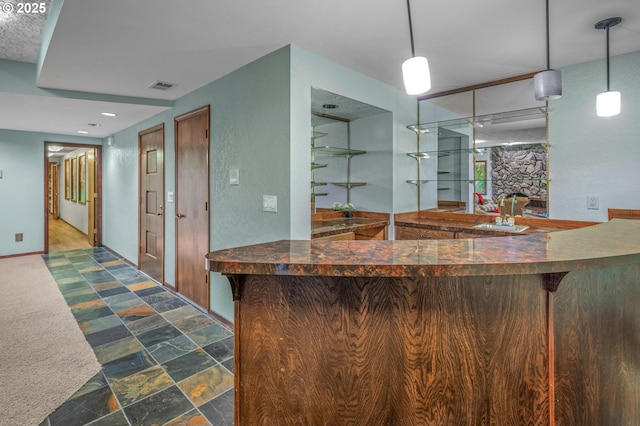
{"type": "Point", "coordinates": [318, 194]}
{"type": "Point", "coordinates": [314, 184]}
{"type": "Point", "coordinates": [444, 153]}
{"type": "Point", "coordinates": [338, 152]}
{"type": "Point", "coordinates": [317, 166]}
{"type": "Point", "coordinates": [348, 185]}
{"type": "Point", "coordinates": [482, 120]}
{"type": "Point", "coordinates": [417, 182]}
{"type": "Point", "coordinates": [317, 135]}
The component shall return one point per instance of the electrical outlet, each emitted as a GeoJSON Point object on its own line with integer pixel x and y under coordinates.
{"type": "Point", "coordinates": [19, 237]}
{"type": "Point", "coordinates": [270, 203]}
{"type": "Point", "coordinates": [593, 202]}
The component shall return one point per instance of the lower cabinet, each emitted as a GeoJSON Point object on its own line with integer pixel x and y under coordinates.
{"type": "Point", "coordinates": [410, 233]}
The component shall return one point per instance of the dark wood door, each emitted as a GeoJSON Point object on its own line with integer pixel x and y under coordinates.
{"type": "Point", "coordinates": [151, 212]}
{"type": "Point", "coordinates": [92, 197]}
{"type": "Point", "coordinates": [192, 205]}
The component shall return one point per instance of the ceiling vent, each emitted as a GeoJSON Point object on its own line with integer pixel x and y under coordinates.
{"type": "Point", "coordinates": [161, 85]}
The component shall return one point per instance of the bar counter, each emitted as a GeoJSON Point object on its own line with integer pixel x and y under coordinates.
{"type": "Point", "coordinates": [532, 329]}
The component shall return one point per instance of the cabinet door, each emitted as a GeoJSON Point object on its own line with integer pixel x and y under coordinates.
{"type": "Point", "coordinates": [462, 235]}
{"type": "Point", "coordinates": [409, 233]}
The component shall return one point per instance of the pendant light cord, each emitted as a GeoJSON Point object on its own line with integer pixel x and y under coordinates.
{"type": "Point", "coordinates": [413, 52]}
{"type": "Point", "coordinates": [608, 87]}
{"type": "Point", "coordinates": [548, 54]}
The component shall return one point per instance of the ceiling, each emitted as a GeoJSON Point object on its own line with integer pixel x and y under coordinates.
{"type": "Point", "coordinates": [109, 52]}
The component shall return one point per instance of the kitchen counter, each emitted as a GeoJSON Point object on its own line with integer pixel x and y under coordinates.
{"type": "Point", "coordinates": [530, 329]}
{"type": "Point", "coordinates": [465, 224]}
{"type": "Point", "coordinates": [335, 226]}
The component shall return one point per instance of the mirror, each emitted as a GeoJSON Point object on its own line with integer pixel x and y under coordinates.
{"type": "Point", "coordinates": [490, 150]}
{"type": "Point", "coordinates": [351, 154]}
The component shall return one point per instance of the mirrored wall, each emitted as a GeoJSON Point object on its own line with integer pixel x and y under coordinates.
{"type": "Point", "coordinates": [485, 151]}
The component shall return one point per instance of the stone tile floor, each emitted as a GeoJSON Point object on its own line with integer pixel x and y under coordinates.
{"type": "Point", "coordinates": [164, 361]}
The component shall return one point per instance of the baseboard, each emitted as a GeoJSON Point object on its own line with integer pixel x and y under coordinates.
{"type": "Point", "coordinates": [21, 254]}
{"type": "Point", "coordinates": [173, 289]}
{"type": "Point", "coordinates": [222, 320]}
{"type": "Point", "coordinates": [121, 257]}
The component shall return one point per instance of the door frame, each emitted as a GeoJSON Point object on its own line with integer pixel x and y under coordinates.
{"type": "Point", "coordinates": [204, 109]}
{"type": "Point", "coordinates": [140, 134]}
{"type": "Point", "coordinates": [98, 206]}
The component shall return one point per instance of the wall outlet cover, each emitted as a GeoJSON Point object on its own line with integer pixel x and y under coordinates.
{"type": "Point", "coordinates": [270, 203]}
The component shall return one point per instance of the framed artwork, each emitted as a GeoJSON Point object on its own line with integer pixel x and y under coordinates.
{"type": "Point", "coordinates": [67, 179]}
{"type": "Point", "coordinates": [82, 178]}
{"type": "Point", "coordinates": [74, 179]}
{"type": "Point", "coordinates": [481, 177]}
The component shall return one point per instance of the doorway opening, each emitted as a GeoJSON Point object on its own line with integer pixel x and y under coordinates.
{"type": "Point", "coordinates": [72, 196]}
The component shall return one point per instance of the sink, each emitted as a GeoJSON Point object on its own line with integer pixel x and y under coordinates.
{"type": "Point", "coordinates": [501, 228]}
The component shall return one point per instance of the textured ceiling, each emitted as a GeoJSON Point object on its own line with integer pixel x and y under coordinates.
{"type": "Point", "coordinates": [119, 47]}
{"type": "Point", "coordinates": [21, 33]}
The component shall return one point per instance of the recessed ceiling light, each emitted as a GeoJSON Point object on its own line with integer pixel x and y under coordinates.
{"type": "Point", "coordinates": [83, 132]}
{"type": "Point", "coordinates": [93, 124]}
{"type": "Point", "coordinates": [109, 114]}
{"type": "Point", "coordinates": [54, 148]}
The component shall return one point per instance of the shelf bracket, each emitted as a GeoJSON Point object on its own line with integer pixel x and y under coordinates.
{"type": "Point", "coordinates": [237, 284]}
{"type": "Point", "coordinates": [552, 280]}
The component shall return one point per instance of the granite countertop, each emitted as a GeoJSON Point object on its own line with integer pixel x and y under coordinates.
{"type": "Point", "coordinates": [326, 227]}
{"type": "Point", "coordinates": [466, 226]}
{"type": "Point", "coordinates": [611, 243]}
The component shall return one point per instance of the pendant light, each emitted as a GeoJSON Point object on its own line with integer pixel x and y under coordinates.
{"type": "Point", "coordinates": [415, 71]}
{"type": "Point", "coordinates": [608, 103]}
{"type": "Point", "coordinates": [547, 85]}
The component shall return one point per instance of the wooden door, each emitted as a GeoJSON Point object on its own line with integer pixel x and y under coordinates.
{"type": "Point", "coordinates": [92, 198]}
{"type": "Point", "coordinates": [192, 205]}
{"type": "Point", "coordinates": [54, 189]}
{"type": "Point", "coordinates": [151, 211]}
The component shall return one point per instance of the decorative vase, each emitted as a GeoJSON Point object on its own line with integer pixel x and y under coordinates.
{"type": "Point", "coordinates": [348, 213]}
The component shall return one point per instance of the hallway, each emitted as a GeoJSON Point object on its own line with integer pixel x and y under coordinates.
{"type": "Point", "coordinates": [63, 237]}
{"type": "Point", "coordinates": [163, 360]}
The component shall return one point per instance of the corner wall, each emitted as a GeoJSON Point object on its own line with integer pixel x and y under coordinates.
{"type": "Point", "coordinates": [591, 155]}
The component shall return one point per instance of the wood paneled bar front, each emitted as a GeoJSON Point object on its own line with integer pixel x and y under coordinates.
{"type": "Point", "coordinates": [527, 330]}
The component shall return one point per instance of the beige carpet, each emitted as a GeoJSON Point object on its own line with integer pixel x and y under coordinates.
{"type": "Point", "coordinates": [44, 357]}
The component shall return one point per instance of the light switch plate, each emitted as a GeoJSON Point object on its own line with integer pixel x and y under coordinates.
{"type": "Point", "coordinates": [234, 177]}
{"type": "Point", "coordinates": [593, 202]}
{"type": "Point", "coordinates": [270, 203]}
{"type": "Point", "coordinates": [170, 197]}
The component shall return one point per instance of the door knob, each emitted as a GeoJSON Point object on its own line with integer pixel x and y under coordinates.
{"type": "Point", "coordinates": [160, 211]}
{"type": "Point", "coordinates": [180, 216]}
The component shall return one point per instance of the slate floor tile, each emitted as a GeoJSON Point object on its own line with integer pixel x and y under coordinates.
{"type": "Point", "coordinates": [189, 364]}
{"type": "Point", "coordinates": [133, 388]}
{"type": "Point", "coordinates": [127, 365]}
{"type": "Point", "coordinates": [159, 408]}
{"type": "Point", "coordinates": [85, 408]}
{"type": "Point", "coordinates": [137, 329]}
{"type": "Point", "coordinates": [207, 384]}
{"type": "Point", "coordinates": [172, 348]}
{"type": "Point", "coordinates": [158, 335]}
{"type": "Point", "coordinates": [219, 411]}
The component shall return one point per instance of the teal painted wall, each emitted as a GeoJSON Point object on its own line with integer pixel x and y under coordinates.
{"type": "Point", "coordinates": [249, 131]}
{"type": "Point", "coordinates": [591, 155]}
{"type": "Point", "coordinates": [310, 70]}
{"type": "Point", "coordinates": [22, 206]}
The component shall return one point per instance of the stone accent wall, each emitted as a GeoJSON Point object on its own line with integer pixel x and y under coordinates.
{"type": "Point", "coordinates": [517, 169]}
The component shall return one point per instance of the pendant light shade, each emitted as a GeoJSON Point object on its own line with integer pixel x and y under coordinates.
{"type": "Point", "coordinates": [608, 103]}
{"type": "Point", "coordinates": [415, 70]}
{"type": "Point", "coordinates": [547, 85]}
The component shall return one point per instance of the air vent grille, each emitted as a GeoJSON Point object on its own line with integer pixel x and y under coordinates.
{"type": "Point", "coordinates": [161, 85]}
